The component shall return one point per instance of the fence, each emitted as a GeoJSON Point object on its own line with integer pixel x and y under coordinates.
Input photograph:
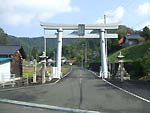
{"type": "Point", "coordinates": [25, 80]}
{"type": "Point", "coordinates": [7, 79]}
{"type": "Point", "coordinates": [11, 80]}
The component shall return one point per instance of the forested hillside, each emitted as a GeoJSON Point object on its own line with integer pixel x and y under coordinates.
{"type": "Point", "coordinates": [37, 42]}
{"type": "Point", "coordinates": [88, 50]}
{"type": "Point", "coordinates": [3, 37]}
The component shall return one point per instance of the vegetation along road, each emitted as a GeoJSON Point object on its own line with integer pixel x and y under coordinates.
{"type": "Point", "coordinates": [79, 90]}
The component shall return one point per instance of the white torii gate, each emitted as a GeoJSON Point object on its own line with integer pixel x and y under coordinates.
{"type": "Point", "coordinates": [81, 27]}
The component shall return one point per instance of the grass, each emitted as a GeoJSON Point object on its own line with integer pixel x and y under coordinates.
{"type": "Point", "coordinates": [145, 78]}
{"type": "Point", "coordinates": [29, 70]}
{"type": "Point", "coordinates": [65, 69]}
{"type": "Point", "coordinates": [132, 53]}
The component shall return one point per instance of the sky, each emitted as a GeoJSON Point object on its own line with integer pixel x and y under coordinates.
{"type": "Point", "coordinates": [22, 18]}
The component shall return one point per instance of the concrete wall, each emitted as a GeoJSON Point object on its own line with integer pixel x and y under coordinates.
{"type": "Point", "coordinates": [5, 71]}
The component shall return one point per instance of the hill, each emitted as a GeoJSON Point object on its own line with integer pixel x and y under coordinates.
{"type": "Point", "coordinates": [132, 53]}
{"type": "Point", "coordinates": [29, 43]}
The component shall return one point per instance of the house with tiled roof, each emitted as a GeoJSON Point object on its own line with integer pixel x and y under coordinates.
{"type": "Point", "coordinates": [11, 60]}
{"type": "Point", "coordinates": [130, 40]}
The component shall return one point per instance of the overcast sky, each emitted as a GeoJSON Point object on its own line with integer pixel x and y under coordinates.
{"type": "Point", "coordinates": [22, 17]}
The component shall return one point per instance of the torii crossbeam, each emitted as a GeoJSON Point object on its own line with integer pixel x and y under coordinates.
{"type": "Point", "coordinates": [81, 28]}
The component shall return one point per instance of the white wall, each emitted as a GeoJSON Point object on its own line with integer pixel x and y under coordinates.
{"type": "Point", "coordinates": [5, 71]}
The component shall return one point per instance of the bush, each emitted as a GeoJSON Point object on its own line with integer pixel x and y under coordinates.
{"type": "Point", "coordinates": [135, 69]}
{"type": "Point", "coordinates": [146, 63]}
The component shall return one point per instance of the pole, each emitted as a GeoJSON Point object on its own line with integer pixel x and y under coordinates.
{"type": "Point", "coordinates": [34, 72]}
{"type": "Point", "coordinates": [44, 62]}
{"type": "Point", "coordinates": [43, 71]}
{"type": "Point", "coordinates": [85, 53]}
{"type": "Point", "coordinates": [54, 57]}
{"type": "Point", "coordinates": [103, 55]}
{"type": "Point", "coordinates": [44, 44]}
{"type": "Point", "coordinates": [59, 52]}
{"type": "Point", "coordinates": [104, 19]}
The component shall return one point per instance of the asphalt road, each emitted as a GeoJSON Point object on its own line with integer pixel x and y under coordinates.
{"type": "Point", "coordinates": [80, 90]}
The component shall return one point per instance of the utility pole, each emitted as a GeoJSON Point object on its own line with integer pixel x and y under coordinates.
{"type": "Point", "coordinates": [104, 19]}
{"type": "Point", "coordinates": [54, 57]}
{"type": "Point", "coordinates": [85, 53]}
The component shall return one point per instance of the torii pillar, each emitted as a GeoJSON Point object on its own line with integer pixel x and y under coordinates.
{"type": "Point", "coordinates": [103, 54]}
{"type": "Point", "coordinates": [59, 52]}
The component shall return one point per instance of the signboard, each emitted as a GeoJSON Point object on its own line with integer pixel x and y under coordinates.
{"type": "Point", "coordinates": [55, 74]}
{"type": "Point", "coordinates": [81, 29]}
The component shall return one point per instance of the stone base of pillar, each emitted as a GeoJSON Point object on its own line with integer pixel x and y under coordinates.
{"type": "Point", "coordinates": [47, 76]}
{"type": "Point", "coordinates": [126, 76]}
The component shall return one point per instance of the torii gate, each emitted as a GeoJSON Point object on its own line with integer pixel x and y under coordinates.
{"type": "Point", "coordinates": [81, 29]}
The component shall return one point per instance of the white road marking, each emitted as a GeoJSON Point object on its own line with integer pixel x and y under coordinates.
{"type": "Point", "coordinates": [80, 78]}
{"type": "Point", "coordinates": [48, 107]}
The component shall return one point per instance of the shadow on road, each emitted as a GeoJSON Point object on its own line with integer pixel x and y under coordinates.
{"type": "Point", "coordinates": [104, 87]}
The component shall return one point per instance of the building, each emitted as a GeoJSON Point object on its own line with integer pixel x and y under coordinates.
{"type": "Point", "coordinates": [130, 40]}
{"type": "Point", "coordinates": [5, 64]}
{"type": "Point", "coordinates": [11, 60]}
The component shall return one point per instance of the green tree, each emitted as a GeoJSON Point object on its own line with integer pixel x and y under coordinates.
{"type": "Point", "coordinates": [35, 52]}
{"type": "Point", "coordinates": [3, 37]}
{"type": "Point", "coordinates": [122, 31]}
{"type": "Point", "coordinates": [146, 63]}
{"type": "Point", "coordinates": [146, 33]}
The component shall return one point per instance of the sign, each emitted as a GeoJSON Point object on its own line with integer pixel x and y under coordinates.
{"type": "Point", "coordinates": [81, 29]}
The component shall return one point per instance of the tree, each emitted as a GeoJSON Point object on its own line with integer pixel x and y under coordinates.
{"type": "Point", "coordinates": [35, 52]}
{"type": "Point", "coordinates": [122, 31]}
{"type": "Point", "coordinates": [3, 37]}
{"type": "Point", "coordinates": [146, 63]}
{"type": "Point", "coordinates": [146, 33]}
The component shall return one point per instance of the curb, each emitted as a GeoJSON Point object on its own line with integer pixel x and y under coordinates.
{"type": "Point", "coordinates": [94, 73]}
{"type": "Point", "coordinates": [67, 73]}
{"type": "Point", "coordinates": [43, 106]}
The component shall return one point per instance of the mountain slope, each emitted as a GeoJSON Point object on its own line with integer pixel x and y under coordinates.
{"type": "Point", "coordinates": [132, 53]}
{"type": "Point", "coordinates": [29, 43]}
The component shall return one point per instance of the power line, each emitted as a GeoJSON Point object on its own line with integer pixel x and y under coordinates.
{"type": "Point", "coordinates": [141, 22]}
